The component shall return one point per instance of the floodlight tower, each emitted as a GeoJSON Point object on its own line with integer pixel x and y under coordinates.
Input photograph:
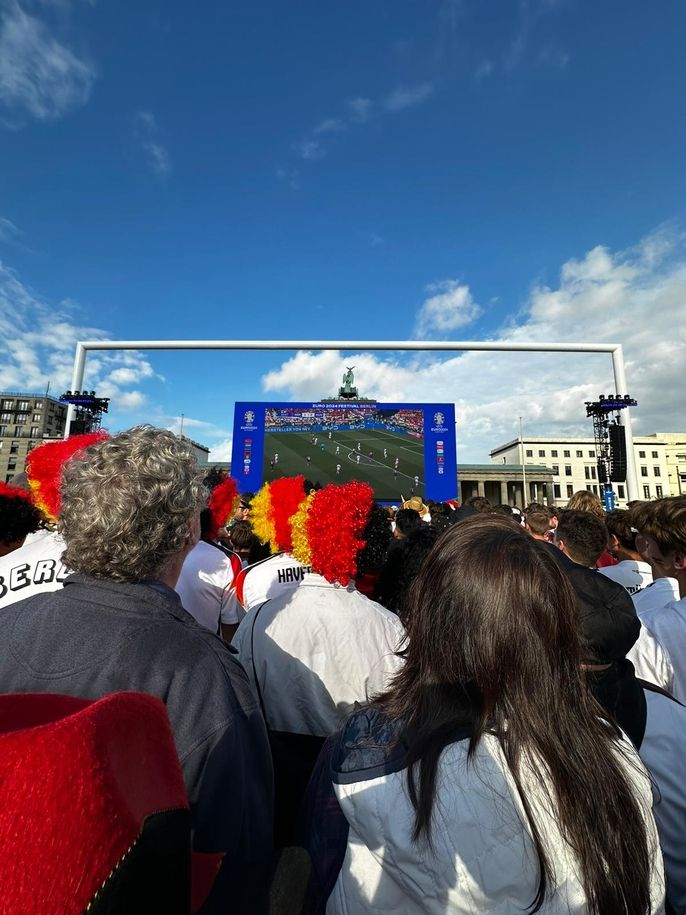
{"type": "Point", "coordinates": [610, 441]}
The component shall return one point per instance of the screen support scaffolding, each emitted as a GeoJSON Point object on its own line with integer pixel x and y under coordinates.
{"type": "Point", "coordinates": [447, 346]}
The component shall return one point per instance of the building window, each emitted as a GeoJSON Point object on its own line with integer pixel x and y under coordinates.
{"type": "Point", "coordinates": [579, 454]}
{"type": "Point", "coordinates": [6, 417]}
{"type": "Point", "coordinates": [3, 430]}
{"type": "Point", "coordinates": [12, 463]}
{"type": "Point", "coordinates": [36, 418]}
{"type": "Point", "coordinates": [557, 491]}
{"type": "Point", "coordinates": [20, 420]}
{"type": "Point", "coordinates": [656, 471]}
{"type": "Point", "coordinates": [681, 458]}
{"type": "Point", "coordinates": [35, 432]}
{"type": "Point", "coordinates": [641, 454]}
{"type": "Point", "coordinates": [588, 487]}
{"type": "Point", "coordinates": [595, 490]}
{"type": "Point", "coordinates": [556, 470]}
{"type": "Point", "coordinates": [658, 492]}
{"type": "Point", "coordinates": [38, 405]}
{"type": "Point", "coordinates": [553, 453]}
{"type": "Point", "coordinates": [568, 470]}
{"type": "Point", "coordinates": [9, 478]}
{"type": "Point", "coordinates": [24, 405]}
{"type": "Point", "coordinates": [18, 431]}
{"type": "Point", "coordinates": [587, 474]}
{"type": "Point", "coordinates": [7, 404]}
{"type": "Point", "coordinates": [654, 454]}
{"type": "Point", "coordinates": [644, 471]}
{"type": "Point", "coordinates": [14, 447]}
{"type": "Point", "coordinates": [646, 492]}
{"type": "Point", "coordinates": [620, 490]}
{"type": "Point", "coordinates": [593, 476]}
{"type": "Point", "coordinates": [566, 453]}
{"type": "Point", "coordinates": [591, 453]}
{"type": "Point", "coordinates": [570, 490]}
{"type": "Point", "coordinates": [529, 453]}
{"type": "Point", "coordinates": [541, 452]}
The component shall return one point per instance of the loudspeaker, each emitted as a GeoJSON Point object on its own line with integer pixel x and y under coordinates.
{"type": "Point", "coordinates": [602, 472]}
{"type": "Point", "coordinates": [617, 453]}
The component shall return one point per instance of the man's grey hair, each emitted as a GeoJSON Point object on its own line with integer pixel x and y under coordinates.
{"type": "Point", "coordinates": [127, 503]}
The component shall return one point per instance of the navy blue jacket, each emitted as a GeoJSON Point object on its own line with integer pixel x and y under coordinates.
{"type": "Point", "coordinates": [96, 637]}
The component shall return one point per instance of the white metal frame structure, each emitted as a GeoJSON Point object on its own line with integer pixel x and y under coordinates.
{"type": "Point", "coordinates": [446, 346]}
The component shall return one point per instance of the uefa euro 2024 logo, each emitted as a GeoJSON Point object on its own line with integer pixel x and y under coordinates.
{"type": "Point", "coordinates": [249, 417]}
{"type": "Point", "coordinates": [439, 419]}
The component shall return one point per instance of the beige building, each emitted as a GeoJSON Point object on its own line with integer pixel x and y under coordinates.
{"type": "Point", "coordinates": [660, 464]}
{"type": "Point", "coordinates": [26, 420]}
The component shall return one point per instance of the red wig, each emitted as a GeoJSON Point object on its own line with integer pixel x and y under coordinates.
{"type": "Point", "coordinates": [222, 505]}
{"type": "Point", "coordinates": [287, 494]}
{"type": "Point", "coordinates": [335, 524]}
{"type": "Point", "coordinates": [44, 469]}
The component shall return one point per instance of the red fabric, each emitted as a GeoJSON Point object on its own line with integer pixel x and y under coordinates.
{"type": "Point", "coordinates": [77, 780]}
{"type": "Point", "coordinates": [366, 584]}
{"type": "Point", "coordinates": [44, 468]}
{"type": "Point", "coordinates": [606, 559]}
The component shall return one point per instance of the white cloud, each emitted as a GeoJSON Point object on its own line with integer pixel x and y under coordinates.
{"type": "Point", "coordinates": [450, 306]}
{"type": "Point", "coordinates": [8, 231]}
{"type": "Point", "coordinates": [37, 344]}
{"type": "Point", "coordinates": [330, 125]}
{"type": "Point", "coordinates": [552, 56]}
{"type": "Point", "coordinates": [408, 97]}
{"type": "Point", "coordinates": [221, 451]}
{"type": "Point", "coordinates": [130, 400]}
{"type": "Point", "coordinates": [309, 149]}
{"type": "Point", "coordinates": [147, 133]}
{"type": "Point", "coordinates": [633, 297]}
{"type": "Point", "coordinates": [39, 75]}
{"type": "Point", "coordinates": [360, 108]}
{"type": "Point", "coordinates": [484, 70]}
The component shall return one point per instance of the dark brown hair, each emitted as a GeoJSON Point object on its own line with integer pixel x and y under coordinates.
{"type": "Point", "coordinates": [493, 641]}
{"type": "Point", "coordinates": [584, 535]}
{"type": "Point", "coordinates": [665, 521]}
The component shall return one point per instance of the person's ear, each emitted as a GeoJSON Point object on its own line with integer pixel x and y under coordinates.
{"type": "Point", "coordinates": [680, 561]}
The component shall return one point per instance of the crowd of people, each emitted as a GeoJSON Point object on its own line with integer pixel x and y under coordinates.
{"type": "Point", "coordinates": [444, 708]}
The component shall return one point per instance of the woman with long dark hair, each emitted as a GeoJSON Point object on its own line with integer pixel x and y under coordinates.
{"type": "Point", "coordinates": [486, 779]}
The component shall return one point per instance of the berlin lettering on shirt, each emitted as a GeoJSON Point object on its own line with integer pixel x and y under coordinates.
{"type": "Point", "coordinates": [292, 574]}
{"type": "Point", "coordinates": [21, 576]}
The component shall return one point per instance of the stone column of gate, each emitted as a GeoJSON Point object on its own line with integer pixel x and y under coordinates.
{"type": "Point", "coordinates": [504, 498]}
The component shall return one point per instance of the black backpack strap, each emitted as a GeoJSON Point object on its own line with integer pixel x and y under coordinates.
{"type": "Point", "coordinates": [654, 688]}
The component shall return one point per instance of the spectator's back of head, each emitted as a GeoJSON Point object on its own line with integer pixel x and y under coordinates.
{"type": "Point", "coordinates": [129, 505]}
{"type": "Point", "coordinates": [18, 517]}
{"type": "Point", "coordinates": [582, 536]}
{"type": "Point", "coordinates": [480, 504]}
{"type": "Point", "coordinates": [537, 522]}
{"type": "Point", "coordinates": [584, 501]}
{"type": "Point", "coordinates": [618, 523]}
{"type": "Point", "coordinates": [406, 520]}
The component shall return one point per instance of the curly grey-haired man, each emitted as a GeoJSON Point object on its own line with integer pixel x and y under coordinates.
{"type": "Point", "coordinates": [130, 515]}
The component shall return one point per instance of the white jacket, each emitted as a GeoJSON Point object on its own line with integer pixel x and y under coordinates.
{"type": "Point", "coordinates": [318, 649]}
{"type": "Point", "coordinates": [483, 858]}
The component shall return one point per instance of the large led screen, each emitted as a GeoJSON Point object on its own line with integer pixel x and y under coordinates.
{"type": "Point", "coordinates": [399, 449]}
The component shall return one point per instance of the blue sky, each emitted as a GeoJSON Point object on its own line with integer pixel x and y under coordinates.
{"type": "Point", "coordinates": [388, 169]}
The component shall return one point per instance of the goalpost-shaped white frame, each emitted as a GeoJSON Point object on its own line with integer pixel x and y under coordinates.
{"type": "Point", "coordinates": [615, 349]}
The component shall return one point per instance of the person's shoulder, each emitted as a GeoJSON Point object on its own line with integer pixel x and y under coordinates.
{"type": "Point", "coordinates": [369, 745]}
